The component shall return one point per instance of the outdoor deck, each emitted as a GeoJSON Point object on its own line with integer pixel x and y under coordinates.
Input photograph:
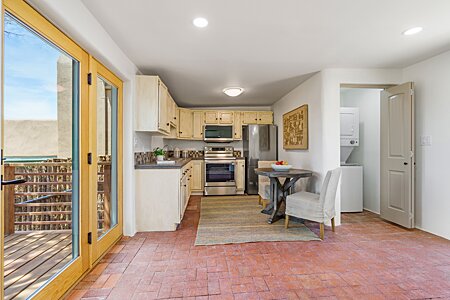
{"type": "Point", "coordinates": [31, 258]}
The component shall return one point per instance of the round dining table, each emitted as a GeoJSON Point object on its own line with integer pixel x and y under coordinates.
{"type": "Point", "coordinates": [279, 191]}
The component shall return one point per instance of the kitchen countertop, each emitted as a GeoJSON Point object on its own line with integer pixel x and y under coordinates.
{"type": "Point", "coordinates": [179, 163]}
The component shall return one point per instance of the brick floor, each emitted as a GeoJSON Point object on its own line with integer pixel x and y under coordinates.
{"type": "Point", "coordinates": [366, 258]}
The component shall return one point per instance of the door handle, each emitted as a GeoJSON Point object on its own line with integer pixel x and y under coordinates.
{"type": "Point", "coordinates": [405, 163]}
{"type": "Point", "coordinates": [14, 181]}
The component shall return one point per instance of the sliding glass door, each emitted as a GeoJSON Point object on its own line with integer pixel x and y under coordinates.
{"type": "Point", "coordinates": [45, 183]}
{"type": "Point", "coordinates": [106, 144]}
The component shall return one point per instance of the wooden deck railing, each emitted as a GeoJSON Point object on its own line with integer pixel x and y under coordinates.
{"type": "Point", "coordinates": [44, 202]}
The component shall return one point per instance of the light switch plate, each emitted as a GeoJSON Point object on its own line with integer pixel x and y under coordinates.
{"type": "Point", "coordinates": [425, 140]}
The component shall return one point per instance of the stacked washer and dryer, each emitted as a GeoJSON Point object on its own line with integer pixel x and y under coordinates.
{"type": "Point", "coordinates": [352, 173]}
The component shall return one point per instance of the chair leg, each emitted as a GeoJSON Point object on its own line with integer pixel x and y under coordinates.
{"type": "Point", "coordinates": [264, 203]}
{"type": "Point", "coordinates": [332, 224]}
{"type": "Point", "coordinates": [322, 231]}
{"type": "Point", "coordinates": [286, 221]}
{"type": "Point", "coordinates": [260, 200]}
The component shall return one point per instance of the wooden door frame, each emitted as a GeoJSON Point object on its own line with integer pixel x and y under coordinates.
{"type": "Point", "coordinates": [100, 246]}
{"type": "Point", "coordinates": [58, 286]}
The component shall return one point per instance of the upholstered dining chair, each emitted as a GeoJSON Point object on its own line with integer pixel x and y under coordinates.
{"type": "Point", "coordinates": [315, 207]}
{"type": "Point", "coordinates": [264, 183]}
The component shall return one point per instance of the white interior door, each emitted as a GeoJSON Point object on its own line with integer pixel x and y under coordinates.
{"type": "Point", "coordinates": [397, 154]}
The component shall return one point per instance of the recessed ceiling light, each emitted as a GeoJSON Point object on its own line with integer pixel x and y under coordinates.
{"type": "Point", "coordinates": [233, 91]}
{"type": "Point", "coordinates": [200, 22]}
{"type": "Point", "coordinates": [412, 31]}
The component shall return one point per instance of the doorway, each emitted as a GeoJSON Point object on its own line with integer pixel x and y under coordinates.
{"type": "Point", "coordinates": [377, 151]}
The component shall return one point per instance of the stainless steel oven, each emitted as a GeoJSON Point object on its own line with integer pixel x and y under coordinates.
{"type": "Point", "coordinates": [220, 171]}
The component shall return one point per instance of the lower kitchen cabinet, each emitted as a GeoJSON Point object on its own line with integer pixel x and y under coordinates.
{"type": "Point", "coordinates": [240, 176]}
{"type": "Point", "coordinates": [161, 197]}
{"type": "Point", "coordinates": [198, 170]}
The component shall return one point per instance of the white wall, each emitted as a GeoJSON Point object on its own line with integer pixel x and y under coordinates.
{"type": "Point", "coordinates": [322, 93]}
{"type": "Point", "coordinates": [368, 152]}
{"type": "Point", "coordinates": [432, 111]}
{"type": "Point", "coordinates": [72, 17]}
{"type": "Point", "coordinates": [309, 92]}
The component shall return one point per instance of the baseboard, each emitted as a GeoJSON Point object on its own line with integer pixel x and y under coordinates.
{"type": "Point", "coordinates": [377, 213]}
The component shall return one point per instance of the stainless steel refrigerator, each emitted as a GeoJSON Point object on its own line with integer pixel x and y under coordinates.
{"type": "Point", "coordinates": [260, 142]}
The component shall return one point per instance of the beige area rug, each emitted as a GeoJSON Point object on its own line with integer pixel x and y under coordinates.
{"type": "Point", "coordinates": [238, 219]}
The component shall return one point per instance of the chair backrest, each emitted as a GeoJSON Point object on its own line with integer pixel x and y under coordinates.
{"type": "Point", "coordinates": [264, 164]}
{"type": "Point", "coordinates": [329, 190]}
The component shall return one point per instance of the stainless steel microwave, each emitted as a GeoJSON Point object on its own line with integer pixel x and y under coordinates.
{"type": "Point", "coordinates": [218, 133]}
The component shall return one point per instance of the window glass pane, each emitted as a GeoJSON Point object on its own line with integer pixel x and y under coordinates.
{"type": "Point", "coordinates": [41, 146]}
{"type": "Point", "coordinates": [106, 156]}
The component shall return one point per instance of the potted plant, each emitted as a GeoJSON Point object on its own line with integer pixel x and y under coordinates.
{"type": "Point", "coordinates": [159, 153]}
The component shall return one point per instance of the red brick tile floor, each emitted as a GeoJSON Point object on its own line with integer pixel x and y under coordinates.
{"type": "Point", "coordinates": [366, 258]}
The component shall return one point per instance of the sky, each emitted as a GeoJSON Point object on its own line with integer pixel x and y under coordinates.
{"type": "Point", "coordinates": [29, 74]}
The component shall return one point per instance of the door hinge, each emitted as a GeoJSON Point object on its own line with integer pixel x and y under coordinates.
{"type": "Point", "coordinates": [89, 158]}
{"type": "Point", "coordinates": [89, 79]}
{"type": "Point", "coordinates": [411, 92]}
{"type": "Point", "coordinates": [90, 238]}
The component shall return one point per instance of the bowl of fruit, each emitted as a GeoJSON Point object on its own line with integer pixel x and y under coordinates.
{"type": "Point", "coordinates": [281, 166]}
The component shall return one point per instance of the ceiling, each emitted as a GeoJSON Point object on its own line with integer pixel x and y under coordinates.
{"type": "Point", "coordinates": [266, 46]}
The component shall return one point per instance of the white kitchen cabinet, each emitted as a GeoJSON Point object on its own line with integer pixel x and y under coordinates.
{"type": "Point", "coordinates": [265, 117]}
{"type": "Point", "coordinates": [185, 123]}
{"type": "Point", "coordinates": [152, 102]}
{"type": "Point", "coordinates": [240, 176]}
{"type": "Point", "coordinates": [162, 196]}
{"type": "Point", "coordinates": [250, 117]}
{"type": "Point", "coordinates": [198, 175]}
{"type": "Point", "coordinates": [198, 123]}
{"type": "Point", "coordinates": [237, 126]}
{"type": "Point", "coordinates": [226, 117]}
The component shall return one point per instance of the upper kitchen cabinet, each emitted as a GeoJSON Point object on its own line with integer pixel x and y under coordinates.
{"type": "Point", "coordinates": [250, 117]}
{"type": "Point", "coordinates": [172, 106]}
{"type": "Point", "coordinates": [237, 125]}
{"type": "Point", "coordinates": [152, 105]}
{"type": "Point", "coordinates": [198, 123]}
{"type": "Point", "coordinates": [185, 123]}
{"type": "Point", "coordinates": [219, 117]}
{"type": "Point", "coordinates": [265, 117]}
{"type": "Point", "coordinates": [257, 117]}
{"type": "Point", "coordinates": [211, 117]}
{"type": "Point", "coordinates": [226, 117]}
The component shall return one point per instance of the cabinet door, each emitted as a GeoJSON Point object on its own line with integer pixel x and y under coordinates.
{"type": "Point", "coordinates": [198, 117]}
{"type": "Point", "coordinates": [197, 175]}
{"type": "Point", "coordinates": [265, 117]}
{"type": "Point", "coordinates": [211, 117]}
{"type": "Point", "coordinates": [237, 126]}
{"type": "Point", "coordinates": [250, 117]}
{"type": "Point", "coordinates": [226, 117]}
{"type": "Point", "coordinates": [173, 112]}
{"type": "Point", "coordinates": [240, 174]}
{"type": "Point", "coordinates": [163, 97]}
{"type": "Point", "coordinates": [185, 124]}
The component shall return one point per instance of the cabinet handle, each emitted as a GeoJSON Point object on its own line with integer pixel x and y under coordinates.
{"type": "Point", "coordinates": [180, 132]}
{"type": "Point", "coordinates": [168, 124]}
{"type": "Point", "coordinates": [260, 119]}
{"type": "Point", "coordinates": [174, 118]}
{"type": "Point", "coordinates": [184, 185]}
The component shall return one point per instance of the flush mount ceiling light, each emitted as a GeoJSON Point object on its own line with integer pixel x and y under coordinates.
{"type": "Point", "coordinates": [233, 91]}
{"type": "Point", "coordinates": [200, 22]}
{"type": "Point", "coordinates": [412, 31]}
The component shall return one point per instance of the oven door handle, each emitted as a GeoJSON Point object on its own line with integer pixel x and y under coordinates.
{"type": "Point", "coordinates": [220, 161]}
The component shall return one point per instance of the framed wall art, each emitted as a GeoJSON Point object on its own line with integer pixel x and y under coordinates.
{"type": "Point", "coordinates": [295, 129]}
